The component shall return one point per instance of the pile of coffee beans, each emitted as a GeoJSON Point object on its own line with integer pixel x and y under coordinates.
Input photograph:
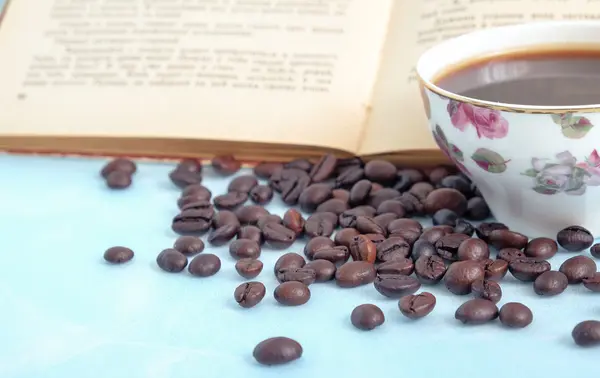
{"type": "Point", "coordinates": [363, 229]}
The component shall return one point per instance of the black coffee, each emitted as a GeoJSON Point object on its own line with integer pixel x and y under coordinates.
{"type": "Point", "coordinates": [553, 76]}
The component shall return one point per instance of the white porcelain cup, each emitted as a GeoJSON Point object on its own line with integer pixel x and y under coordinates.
{"type": "Point", "coordinates": [538, 167]}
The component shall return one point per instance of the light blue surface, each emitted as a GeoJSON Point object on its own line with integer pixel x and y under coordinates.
{"type": "Point", "coordinates": [67, 314]}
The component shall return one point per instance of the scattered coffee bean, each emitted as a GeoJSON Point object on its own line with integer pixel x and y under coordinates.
{"type": "Point", "coordinates": [341, 194]}
{"type": "Point", "coordinates": [123, 165]}
{"type": "Point", "coordinates": [277, 351]}
{"type": "Point", "coordinates": [204, 265]}
{"type": "Point", "coordinates": [289, 261]}
{"type": "Point", "coordinates": [199, 191]}
{"type": "Point", "coordinates": [244, 248]}
{"type": "Point", "coordinates": [485, 229]}
{"type": "Point", "coordinates": [265, 170]}
{"type": "Point", "coordinates": [477, 209]}
{"type": "Point", "coordinates": [487, 289]}
{"type": "Point", "coordinates": [393, 248]}
{"type": "Point", "coordinates": [430, 269]}
{"type": "Point", "coordinates": [192, 221]}
{"type": "Point", "coordinates": [347, 219]}
{"type": "Point", "coordinates": [550, 283]}
{"type": "Point", "coordinates": [437, 174]}
{"type": "Point", "coordinates": [118, 180]}
{"type": "Point", "coordinates": [457, 182]}
{"type": "Point", "coordinates": [360, 192]}
{"type": "Point", "coordinates": [444, 217]}
{"type": "Point", "coordinates": [381, 171]}
{"type": "Point", "coordinates": [422, 248]}
{"type": "Point", "coordinates": [313, 196]}
{"type": "Point", "coordinates": [377, 198]}
{"type": "Point", "coordinates": [190, 165]}
{"type": "Point", "coordinates": [301, 164]}
{"type": "Point", "coordinates": [171, 260]}
{"type": "Point", "coordinates": [337, 254]}
{"type": "Point", "coordinates": [384, 220]}
{"type": "Point", "coordinates": [261, 194]}
{"type": "Point", "coordinates": [575, 238]}
{"type": "Point", "coordinates": [408, 229]}
{"type": "Point", "coordinates": [435, 233]}
{"type": "Point", "coordinates": [197, 204]}
{"type": "Point", "coordinates": [577, 268]}
{"type": "Point", "coordinates": [315, 244]}
{"type": "Point", "coordinates": [515, 315]}
{"type": "Point", "coordinates": [333, 205]}
{"type": "Point", "coordinates": [222, 235]}
{"type": "Point", "coordinates": [323, 169]}
{"type": "Point", "coordinates": [290, 183]}
{"type": "Point", "coordinates": [595, 250]}
{"type": "Point", "coordinates": [363, 249]}
{"type": "Point", "coordinates": [404, 266]}
{"type": "Point", "coordinates": [324, 270]}
{"type": "Point", "coordinates": [293, 220]}
{"type": "Point", "coordinates": [417, 306]}
{"type": "Point", "coordinates": [320, 224]}
{"type": "Point", "coordinates": [495, 269]}
{"type": "Point", "coordinates": [473, 249]}
{"type": "Point", "coordinates": [447, 246]}
{"type": "Point", "coordinates": [445, 198]}
{"type": "Point", "coordinates": [527, 269]}
{"type": "Point", "coordinates": [464, 227]}
{"type": "Point", "coordinates": [587, 333]}
{"type": "Point", "coordinates": [421, 190]}
{"type": "Point", "coordinates": [406, 178]}
{"type": "Point", "coordinates": [249, 268]}
{"type": "Point", "coordinates": [541, 248]}
{"type": "Point", "coordinates": [349, 177]}
{"type": "Point", "coordinates": [461, 275]}
{"type": "Point", "coordinates": [292, 293]}
{"type": "Point", "coordinates": [367, 317]}
{"type": "Point", "coordinates": [278, 236]}
{"type": "Point", "coordinates": [225, 165]}
{"type": "Point", "coordinates": [267, 218]}
{"type": "Point", "coordinates": [242, 184]}
{"type": "Point", "coordinates": [392, 206]}
{"type": "Point", "coordinates": [251, 233]}
{"type": "Point", "coordinates": [510, 254]}
{"type": "Point", "coordinates": [118, 255]}
{"type": "Point", "coordinates": [230, 201]}
{"type": "Point", "coordinates": [476, 311]}
{"type": "Point", "coordinates": [342, 165]}
{"type": "Point", "coordinates": [396, 285]}
{"type": "Point", "coordinates": [189, 245]}
{"type": "Point", "coordinates": [251, 214]}
{"type": "Point", "coordinates": [592, 282]}
{"type": "Point", "coordinates": [249, 294]}
{"type": "Point", "coordinates": [355, 273]}
{"type": "Point", "coordinates": [305, 275]}
{"type": "Point", "coordinates": [184, 177]}
{"type": "Point", "coordinates": [344, 236]}
{"type": "Point", "coordinates": [225, 218]}
{"type": "Point", "coordinates": [500, 239]}
{"type": "Point", "coordinates": [366, 225]}
{"type": "Point", "coordinates": [375, 238]}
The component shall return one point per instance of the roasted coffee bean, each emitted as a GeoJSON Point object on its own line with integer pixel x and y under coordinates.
{"type": "Point", "coordinates": [289, 261]}
{"type": "Point", "coordinates": [225, 218]}
{"type": "Point", "coordinates": [251, 233]}
{"type": "Point", "coordinates": [460, 276]}
{"type": "Point", "coordinates": [515, 315]}
{"type": "Point", "coordinates": [392, 206]}
{"type": "Point", "coordinates": [595, 250]}
{"type": "Point", "coordinates": [200, 205]}
{"type": "Point", "coordinates": [366, 225]}
{"type": "Point", "coordinates": [421, 190]}
{"type": "Point", "coordinates": [541, 248]}
{"type": "Point", "coordinates": [189, 245]}
{"type": "Point", "coordinates": [476, 311]}
{"type": "Point", "coordinates": [268, 218]}
{"type": "Point", "coordinates": [293, 220]}
{"type": "Point", "coordinates": [333, 205]}
{"type": "Point", "coordinates": [437, 174]}
{"type": "Point", "coordinates": [417, 306]}
{"type": "Point", "coordinates": [527, 269]}
{"type": "Point", "coordinates": [587, 333]}
{"type": "Point", "coordinates": [477, 209]}
{"type": "Point", "coordinates": [367, 317]}
{"type": "Point", "coordinates": [199, 191]}
{"type": "Point", "coordinates": [121, 165]}
{"type": "Point", "coordinates": [249, 294]}
{"type": "Point", "coordinates": [473, 249]}
{"type": "Point", "coordinates": [363, 249]}
{"type": "Point", "coordinates": [392, 249]}
{"type": "Point", "coordinates": [183, 177]}
{"type": "Point", "coordinates": [242, 184]}
{"type": "Point", "coordinates": [375, 238]}
{"type": "Point", "coordinates": [376, 199]}
{"type": "Point", "coordinates": [347, 219]}
{"type": "Point", "coordinates": [464, 227]}
{"type": "Point", "coordinates": [171, 260]}
{"type": "Point", "coordinates": [324, 270]}
{"type": "Point", "coordinates": [409, 229]}
{"type": "Point", "coordinates": [204, 265]}
{"type": "Point", "coordinates": [384, 220]}
{"type": "Point", "coordinates": [550, 283]}
{"type": "Point", "coordinates": [430, 269]}
{"type": "Point", "coordinates": [592, 282]}
{"type": "Point", "coordinates": [510, 254]}
{"type": "Point", "coordinates": [223, 234]}
{"type": "Point", "coordinates": [250, 214]}
{"type": "Point", "coordinates": [422, 248]}
{"type": "Point", "coordinates": [225, 165]}
{"type": "Point", "coordinates": [249, 268]}
{"type": "Point", "coordinates": [445, 198]}
{"type": "Point", "coordinates": [487, 289]}
{"type": "Point", "coordinates": [396, 285]}
{"type": "Point", "coordinates": [323, 169]}
{"type": "Point", "coordinates": [190, 165]}
{"type": "Point", "coordinates": [435, 233]}
{"type": "Point", "coordinates": [313, 196]}
{"type": "Point", "coordinates": [381, 171]}
{"type": "Point", "coordinates": [305, 275]}
{"type": "Point", "coordinates": [277, 351]}
{"type": "Point", "coordinates": [447, 246]}
{"type": "Point", "coordinates": [575, 238]}
{"type": "Point", "coordinates": [577, 268]}
{"type": "Point", "coordinates": [193, 202]}
{"type": "Point", "coordinates": [230, 200]}
{"type": "Point", "coordinates": [360, 192]}
{"type": "Point", "coordinates": [320, 224]}
{"type": "Point", "coordinates": [457, 182]}
{"type": "Point", "coordinates": [341, 194]}
{"type": "Point", "coordinates": [500, 239]}
{"type": "Point", "coordinates": [118, 180]}
{"type": "Point", "coordinates": [342, 165]}
{"type": "Point", "coordinates": [302, 164]}
{"type": "Point", "coordinates": [292, 293]}
{"type": "Point", "coordinates": [355, 273]}
{"type": "Point", "coordinates": [316, 244]}
{"type": "Point", "coordinates": [118, 255]}
{"type": "Point", "coordinates": [404, 266]}
{"type": "Point", "coordinates": [337, 254]}
{"type": "Point", "coordinates": [264, 170]}
{"type": "Point", "coordinates": [244, 249]}
{"type": "Point", "coordinates": [495, 269]}
{"type": "Point", "coordinates": [261, 194]}
{"type": "Point", "coordinates": [290, 183]}
{"type": "Point", "coordinates": [485, 228]}
{"type": "Point", "coordinates": [406, 178]}
{"type": "Point", "coordinates": [445, 217]}
{"type": "Point", "coordinates": [349, 177]}
{"type": "Point", "coordinates": [192, 221]}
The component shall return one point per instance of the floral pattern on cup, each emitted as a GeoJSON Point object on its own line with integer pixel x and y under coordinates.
{"type": "Point", "coordinates": [488, 123]}
{"type": "Point", "coordinates": [451, 150]}
{"type": "Point", "coordinates": [573, 127]}
{"type": "Point", "coordinates": [564, 174]}
{"type": "Point", "coordinates": [490, 161]}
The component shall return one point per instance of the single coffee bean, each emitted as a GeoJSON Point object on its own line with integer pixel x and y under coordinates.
{"type": "Point", "coordinates": [457, 182]}
{"type": "Point", "coordinates": [293, 220]}
{"type": "Point", "coordinates": [430, 269]}
{"type": "Point", "coordinates": [421, 190]}
{"type": "Point", "coordinates": [515, 315]}
{"type": "Point", "coordinates": [417, 306]}
{"type": "Point", "coordinates": [587, 333]}
{"type": "Point", "coordinates": [189, 245]}
{"type": "Point", "coordinates": [367, 317]}
{"type": "Point", "coordinates": [384, 220]}
{"type": "Point", "coordinates": [396, 285]}
{"type": "Point", "coordinates": [230, 200]}
{"type": "Point", "coordinates": [485, 228]}
{"type": "Point", "coordinates": [366, 225]}
{"type": "Point", "coordinates": [360, 192]}
{"type": "Point", "coordinates": [242, 184]}
{"type": "Point", "coordinates": [251, 233]}
{"type": "Point", "coordinates": [289, 261]}
{"type": "Point", "coordinates": [577, 268]}
{"type": "Point", "coordinates": [320, 224]}
{"type": "Point", "coordinates": [197, 190]}
{"type": "Point", "coordinates": [541, 248]}
{"type": "Point", "coordinates": [345, 235]}
{"type": "Point", "coordinates": [223, 234]}
{"type": "Point", "coordinates": [349, 177]}
{"type": "Point", "coordinates": [347, 219]}
{"type": "Point", "coordinates": [550, 283]}
{"type": "Point", "coordinates": [313, 196]}
{"type": "Point", "coordinates": [595, 250]}
{"type": "Point", "coordinates": [592, 282]}
{"type": "Point", "coordinates": [190, 165]}
{"type": "Point", "coordinates": [225, 218]}
{"type": "Point", "coordinates": [261, 194]}
{"type": "Point", "coordinates": [302, 164]}
{"type": "Point", "coordinates": [392, 249]}
{"type": "Point", "coordinates": [249, 268]}
{"type": "Point", "coordinates": [363, 249]}
{"type": "Point", "coordinates": [409, 229]}
{"type": "Point", "coordinates": [377, 198]}
{"type": "Point", "coordinates": [460, 276]}
{"type": "Point", "coordinates": [445, 198]}
{"type": "Point", "coordinates": [355, 273]}
{"type": "Point", "coordinates": [445, 217]}
{"type": "Point", "coordinates": [323, 169]}
{"type": "Point", "coordinates": [268, 218]}
{"type": "Point", "coordinates": [324, 270]}
{"type": "Point", "coordinates": [487, 289]}
{"type": "Point", "coordinates": [290, 183]}
{"type": "Point", "coordinates": [342, 165]}
{"type": "Point", "coordinates": [249, 294]}
{"type": "Point", "coordinates": [204, 265]}
{"type": "Point", "coordinates": [575, 238]}
{"type": "Point", "coordinates": [193, 221]}
{"type": "Point", "coordinates": [447, 246]}
{"type": "Point", "coordinates": [406, 178]}
{"type": "Point", "coordinates": [473, 249]}
{"type": "Point", "coordinates": [264, 170]}
{"type": "Point", "coordinates": [305, 275]}
{"type": "Point", "coordinates": [244, 248]}
{"type": "Point", "coordinates": [123, 165]}
{"type": "Point", "coordinates": [495, 269]}
{"type": "Point", "coordinates": [381, 171]}
{"type": "Point", "coordinates": [435, 233]}
{"type": "Point", "coordinates": [183, 177]}
{"type": "Point", "coordinates": [437, 174]}
{"type": "Point", "coordinates": [392, 206]}
{"type": "Point", "coordinates": [500, 239]}
{"type": "Point", "coordinates": [464, 227]}
{"type": "Point", "coordinates": [118, 255]}
{"type": "Point", "coordinates": [477, 209]}
{"type": "Point", "coordinates": [527, 269]}
{"type": "Point", "coordinates": [375, 238]}
{"type": "Point", "coordinates": [404, 266]}
{"type": "Point", "coordinates": [277, 351]}
{"type": "Point", "coordinates": [278, 236]}
{"type": "Point", "coordinates": [225, 165]}
{"type": "Point", "coordinates": [510, 254]}
{"type": "Point", "coordinates": [341, 194]}
{"type": "Point", "coordinates": [337, 254]}
{"type": "Point", "coordinates": [251, 214]}
{"type": "Point", "coordinates": [422, 248]}
{"type": "Point", "coordinates": [118, 180]}
{"type": "Point", "coordinates": [315, 244]}
{"type": "Point", "coordinates": [203, 205]}
{"type": "Point", "coordinates": [171, 260]}
{"type": "Point", "coordinates": [292, 293]}
{"type": "Point", "coordinates": [333, 205]}
{"type": "Point", "coordinates": [476, 311]}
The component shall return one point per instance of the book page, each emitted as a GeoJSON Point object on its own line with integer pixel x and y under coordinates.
{"type": "Point", "coordinates": [397, 121]}
{"type": "Point", "coordinates": [272, 71]}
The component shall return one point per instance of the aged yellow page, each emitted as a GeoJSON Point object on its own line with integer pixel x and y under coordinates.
{"type": "Point", "coordinates": [275, 71]}
{"type": "Point", "coordinates": [397, 121]}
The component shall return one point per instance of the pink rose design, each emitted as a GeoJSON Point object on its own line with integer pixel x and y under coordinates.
{"type": "Point", "coordinates": [457, 114]}
{"type": "Point", "coordinates": [489, 123]}
{"type": "Point", "coordinates": [592, 164]}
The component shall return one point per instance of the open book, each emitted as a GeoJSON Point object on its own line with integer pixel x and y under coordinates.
{"type": "Point", "coordinates": [261, 79]}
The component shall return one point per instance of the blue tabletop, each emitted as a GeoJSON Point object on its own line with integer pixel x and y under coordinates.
{"type": "Point", "coordinates": [65, 313]}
